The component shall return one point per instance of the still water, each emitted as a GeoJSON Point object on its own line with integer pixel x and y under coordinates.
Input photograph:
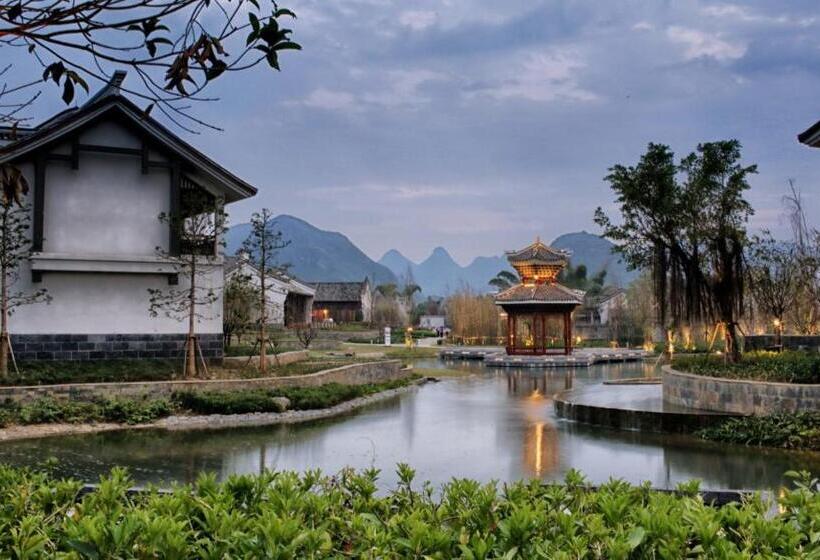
{"type": "Point", "coordinates": [495, 424]}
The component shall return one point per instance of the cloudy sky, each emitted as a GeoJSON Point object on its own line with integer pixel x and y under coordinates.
{"type": "Point", "coordinates": [478, 125]}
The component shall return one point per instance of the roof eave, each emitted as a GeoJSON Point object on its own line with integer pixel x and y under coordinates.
{"type": "Point", "coordinates": [811, 136]}
{"type": "Point", "coordinates": [236, 189]}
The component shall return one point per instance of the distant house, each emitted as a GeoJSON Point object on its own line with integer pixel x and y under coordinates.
{"type": "Point", "coordinates": [290, 302]}
{"type": "Point", "coordinates": [593, 319]}
{"type": "Point", "coordinates": [431, 321]}
{"type": "Point", "coordinates": [100, 176]}
{"type": "Point", "coordinates": [343, 302]}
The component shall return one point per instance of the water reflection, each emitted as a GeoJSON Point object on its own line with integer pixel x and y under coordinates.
{"type": "Point", "coordinates": [497, 424]}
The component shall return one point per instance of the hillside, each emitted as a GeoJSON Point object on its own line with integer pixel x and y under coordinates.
{"type": "Point", "coordinates": [440, 275]}
{"type": "Point", "coordinates": [316, 255]}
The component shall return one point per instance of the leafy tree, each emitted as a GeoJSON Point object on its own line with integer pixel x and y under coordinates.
{"type": "Point", "coordinates": [687, 222]}
{"type": "Point", "coordinates": [198, 226]}
{"type": "Point", "coordinates": [389, 290]}
{"type": "Point", "coordinates": [239, 300]}
{"type": "Point", "coordinates": [504, 280]}
{"type": "Point", "coordinates": [15, 248]}
{"type": "Point", "coordinates": [177, 48]}
{"type": "Point", "coordinates": [263, 244]}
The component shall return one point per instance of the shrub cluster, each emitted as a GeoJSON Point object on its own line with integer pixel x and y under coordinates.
{"type": "Point", "coordinates": [49, 411]}
{"type": "Point", "coordinates": [786, 367]}
{"type": "Point", "coordinates": [288, 515]}
{"type": "Point", "coordinates": [799, 430]}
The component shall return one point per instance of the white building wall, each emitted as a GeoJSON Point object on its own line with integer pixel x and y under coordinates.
{"type": "Point", "coordinates": [105, 208]}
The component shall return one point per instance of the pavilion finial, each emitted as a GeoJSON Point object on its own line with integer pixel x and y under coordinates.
{"type": "Point", "coordinates": [538, 239]}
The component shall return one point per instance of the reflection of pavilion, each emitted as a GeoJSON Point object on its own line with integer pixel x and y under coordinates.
{"type": "Point", "coordinates": [545, 382]}
{"type": "Point", "coordinates": [539, 309]}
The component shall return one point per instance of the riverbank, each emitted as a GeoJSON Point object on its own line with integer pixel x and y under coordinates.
{"type": "Point", "coordinates": [206, 422]}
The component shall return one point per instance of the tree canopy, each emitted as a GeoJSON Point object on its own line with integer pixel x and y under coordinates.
{"type": "Point", "coordinates": [686, 221]}
{"type": "Point", "coordinates": [176, 47]}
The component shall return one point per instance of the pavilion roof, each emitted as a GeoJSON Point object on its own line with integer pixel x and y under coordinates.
{"type": "Point", "coordinates": [540, 293]}
{"type": "Point", "coordinates": [538, 252]}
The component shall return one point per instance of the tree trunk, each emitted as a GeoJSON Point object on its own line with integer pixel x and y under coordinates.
{"type": "Point", "coordinates": [732, 347]}
{"type": "Point", "coordinates": [263, 343]}
{"type": "Point", "coordinates": [4, 311]}
{"type": "Point", "coordinates": [190, 347]}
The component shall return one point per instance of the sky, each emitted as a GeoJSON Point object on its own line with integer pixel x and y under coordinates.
{"type": "Point", "coordinates": [479, 125]}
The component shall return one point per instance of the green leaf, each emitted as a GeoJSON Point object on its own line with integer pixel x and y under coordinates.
{"type": "Point", "coordinates": [636, 537]}
{"type": "Point", "coordinates": [254, 21]}
{"type": "Point", "coordinates": [283, 12]}
{"type": "Point", "coordinates": [288, 45]}
{"type": "Point", "coordinates": [68, 91]}
{"type": "Point", "coordinates": [86, 549]}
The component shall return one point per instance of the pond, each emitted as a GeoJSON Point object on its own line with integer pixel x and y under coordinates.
{"type": "Point", "coordinates": [495, 424]}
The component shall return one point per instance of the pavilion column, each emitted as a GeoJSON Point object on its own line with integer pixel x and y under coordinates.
{"type": "Point", "coordinates": [510, 328]}
{"type": "Point", "coordinates": [567, 332]}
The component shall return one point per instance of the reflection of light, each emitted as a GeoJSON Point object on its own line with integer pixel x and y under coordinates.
{"type": "Point", "coordinates": [535, 395]}
{"type": "Point", "coordinates": [539, 437]}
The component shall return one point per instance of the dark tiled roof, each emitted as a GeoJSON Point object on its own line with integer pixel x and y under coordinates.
{"type": "Point", "coordinates": [540, 252]}
{"type": "Point", "coordinates": [539, 293]}
{"type": "Point", "coordinates": [338, 291]}
{"type": "Point", "coordinates": [808, 136]}
{"type": "Point", "coordinates": [110, 99]}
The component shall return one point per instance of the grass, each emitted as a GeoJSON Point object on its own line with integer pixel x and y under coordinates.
{"type": "Point", "coordinates": [301, 398]}
{"type": "Point", "coordinates": [785, 367]}
{"type": "Point", "coordinates": [799, 430]}
{"type": "Point", "coordinates": [94, 371]}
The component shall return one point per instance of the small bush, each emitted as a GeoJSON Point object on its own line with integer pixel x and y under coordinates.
{"type": "Point", "coordinates": [784, 367]}
{"type": "Point", "coordinates": [799, 430]}
{"type": "Point", "coordinates": [52, 411]}
{"type": "Point", "coordinates": [234, 402]}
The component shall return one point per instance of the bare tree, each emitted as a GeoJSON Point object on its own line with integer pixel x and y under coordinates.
{"type": "Point", "coordinates": [306, 334]}
{"type": "Point", "coordinates": [15, 248]}
{"type": "Point", "coordinates": [176, 47]}
{"type": "Point", "coordinates": [198, 226]}
{"type": "Point", "coordinates": [263, 244]}
{"type": "Point", "coordinates": [774, 277]}
{"type": "Point", "coordinates": [805, 313]}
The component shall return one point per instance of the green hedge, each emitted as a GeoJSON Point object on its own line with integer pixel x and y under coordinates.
{"type": "Point", "coordinates": [787, 367]}
{"type": "Point", "coordinates": [309, 516]}
{"type": "Point", "coordinates": [792, 431]}
{"type": "Point", "coordinates": [51, 411]}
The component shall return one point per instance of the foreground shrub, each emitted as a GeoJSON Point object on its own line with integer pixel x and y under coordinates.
{"type": "Point", "coordinates": [288, 515]}
{"type": "Point", "coordinates": [788, 430]}
{"type": "Point", "coordinates": [785, 367]}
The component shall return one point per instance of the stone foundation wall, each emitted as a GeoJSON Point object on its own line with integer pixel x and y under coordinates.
{"type": "Point", "coordinates": [789, 341]}
{"type": "Point", "coordinates": [355, 374]}
{"type": "Point", "coordinates": [737, 396]}
{"type": "Point", "coordinates": [82, 347]}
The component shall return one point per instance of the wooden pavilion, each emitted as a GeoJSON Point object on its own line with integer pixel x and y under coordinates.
{"type": "Point", "coordinates": [539, 309]}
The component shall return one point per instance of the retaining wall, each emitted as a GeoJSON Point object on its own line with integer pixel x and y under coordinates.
{"type": "Point", "coordinates": [737, 396]}
{"type": "Point", "coordinates": [83, 347]}
{"type": "Point", "coordinates": [354, 374]}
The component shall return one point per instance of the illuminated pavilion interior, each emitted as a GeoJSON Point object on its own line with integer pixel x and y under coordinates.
{"type": "Point", "coordinates": [539, 309]}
